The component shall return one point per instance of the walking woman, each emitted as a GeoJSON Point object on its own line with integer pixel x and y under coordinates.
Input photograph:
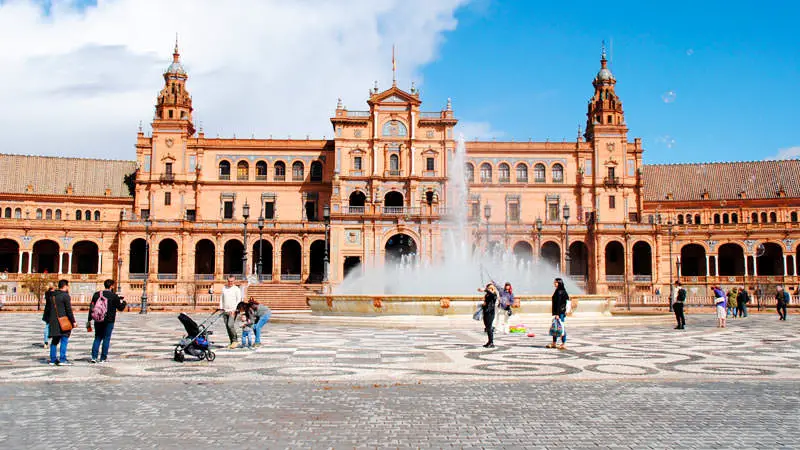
{"type": "Point", "coordinates": [489, 302]}
{"type": "Point", "coordinates": [719, 303]}
{"type": "Point", "coordinates": [261, 314]}
{"type": "Point", "coordinates": [60, 306]}
{"type": "Point", "coordinates": [559, 309]}
{"type": "Point", "coordinates": [505, 302]}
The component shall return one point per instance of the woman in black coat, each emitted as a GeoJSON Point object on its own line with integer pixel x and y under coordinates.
{"type": "Point", "coordinates": [59, 305]}
{"type": "Point", "coordinates": [488, 307]}
{"type": "Point", "coordinates": [559, 309]}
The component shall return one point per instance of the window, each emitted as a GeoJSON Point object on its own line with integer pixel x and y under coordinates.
{"type": "Point", "coordinates": [552, 212]}
{"type": "Point", "coordinates": [191, 215]}
{"type": "Point", "coordinates": [145, 213]}
{"type": "Point", "coordinates": [227, 209]}
{"type": "Point", "coordinates": [224, 170]}
{"type": "Point", "coordinates": [242, 171]}
{"type": "Point", "coordinates": [170, 113]}
{"type": "Point", "coordinates": [794, 216]}
{"type": "Point", "coordinates": [716, 218]}
{"type": "Point", "coordinates": [680, 219]}
{"type": "Point", "coordinates": [8, 213]}
{"type": "Point", "coordinates": [754, 218]}
{"type": "Point", "coordinates": [558, 173]}
{"type": "Point", "coordinates": [280, 171]}
{"type": "Point", "coordinates": [539, 173]}
{"type": "Point", "coordinates": [773, 217]}
{"type": "Point", "coordinates": [522, 173]}
{"type": "Point", "coordinates": [611, 173]}
{"type": "Point", "coordinates": [394, 165]}
{"type": "Point", "coordinates": [470, 173]}
{"type": "Point", "coordinates": [168, 168]}
{"type": "Point", "coordinates": [689, 219]}
{"type": "Point", "coordinates": [486, 173]}
{"type": "Point", "coordinates": [631, 167]}
{"type": "Point", "coordinates": [18, 213]}
{"type": "Point", "coordinates": [725, 218]}
{"type": "Point", "coordinates": [734, 218]}
{"type": "Point", "coordinates": [269, 210]}
{"type": "Point", "coordinates": [261, 171]}
{"type": "Point", "coordinates": [504, 173]}
{"type": "Point", "coordinates": [39, 214]}
{"type": "Point", "coordinates": [87, 215]}
{"type": "Point", "coordinates": [475, 210]}
{"type": "Point", "coordinates": [48, 214]}
{"type": "Point", "coordinates": [58, 214]}
{"type": "Point", "coordinates": [167, 198]}
{"type": "Point", "coordinates": [697, 220]}
{"type": "Point", "coordinates": [395, 128]}
{"type": "Point", "coordinates": [311, 210]}
{"type": "Point", "coordinates": [78, 215]}
{"type": "Point", "coordinates": [97, 216]}
{"type": "Point", "coordinates": [298, 171]}
{"type": "Point", "coordinates": [763, 217]}
{"type": "Point", "coordinates": [513, 212]}
{"type": "Point", "coordinates": [147, 163]}
{"type": "Point", "coordinates": [633, 217]}
{"type": "Point", "coordinates": [430, 164]}
{"type": "Point", "coordinates": [612, 202]}
{"type": "Point", "coordinates": [316, 171]}
{"type": "Point", "coordinates": [192, 163]}
{"type": "Point", "coordinates": [587, 167]}
{"type": "Point", "coordinates": [357, 163]}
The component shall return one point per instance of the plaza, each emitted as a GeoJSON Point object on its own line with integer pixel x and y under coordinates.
{"type": "Point", "coordinates": [636, 384]}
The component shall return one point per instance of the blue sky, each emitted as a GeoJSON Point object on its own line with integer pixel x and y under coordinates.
{"type": "Point", "coordinates": [526, 68]}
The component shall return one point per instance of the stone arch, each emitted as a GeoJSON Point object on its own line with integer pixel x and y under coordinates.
{"type": "Point", "coordinates": [693, 260]}
{"type": "Point", "coordinates": [167, 256]}
{"type": "Point", "coordinates": [9, 255]}
{"type": "Point", "coordinates": [642, 258]}
{"type": "Point", "coordinates": [771, 262]}
{"type": "Point", "coordinates": [205, 260]}
{"type": "Point", "coordinates": [261, 170]}
{"type": "Point", "coordinates": [393, 199]}
{"type": "Point", "coordinates": [291, 257]}
{"type": "Point", "coordinates": [316, 171]}
{"type": "Point", "coordinates": [266, 261]}
{"type": "Point", "coordinates": [523, 251]}
{"type": "Point", "coordinates": [224, 169]}
{"type": "Point", "coordinates": [357, 199]}
{"type": "Point", "coordinates": [46, 254]}
{"type": "Point", "coordinates": [578, 260]}
{"type": "Point", "coordinates": [316, 261]}
{"type": "Point", "coordinates": [232, 253]}
{"type": "Point", "coordinates": [615, 258]}
{"type": "Point", "coordinates": [730, 259]}
{"type": "Point", "coordinates": [137, 256]}
{"type": "Point", "coordinates": [551, 253]}
{"type": "Point", "coordinates": [85, 257]}
{"type": "Point", "coordinates": [399, 245]}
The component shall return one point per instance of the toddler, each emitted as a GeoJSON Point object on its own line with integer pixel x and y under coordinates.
{"type": "Point", "coordinates": [247, 331]}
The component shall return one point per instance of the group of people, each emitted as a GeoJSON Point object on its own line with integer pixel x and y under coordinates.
{"type": "Point", "coordinates": [60, 320]}
{"type": "Point", "coordinates": [496, 309]}
{"type": "Point", "coordinates": [249, 317]}
{"type": "Point", "coordinates": [732, 304]}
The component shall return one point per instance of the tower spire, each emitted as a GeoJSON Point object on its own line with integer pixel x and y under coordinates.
{"type": "Point", "coordinates": [394, 69]}
{"type": "Point", "coordinates": [176, 56]}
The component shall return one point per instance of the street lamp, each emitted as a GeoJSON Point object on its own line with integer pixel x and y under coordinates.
{"type": "Point", "coordinates": [245, 214]}
{"type": "Point", "coordinates": [671, 284]}
{"type": "Point", "coordinates": [566, 239]}
{"type": "Point", "coordinates": [326, 216]}
{"type": "Point", "coordinates": [487, 214]}
{"type": "Point", "coordinates": [259, 268]}
{"type": "Point", "coordinates": [147, 223]}
{"type": "Point", "coordinates": [539, 235]}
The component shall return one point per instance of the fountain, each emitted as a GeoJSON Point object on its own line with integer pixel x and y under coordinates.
{"type": "Point", "coordinates": [449, 285]}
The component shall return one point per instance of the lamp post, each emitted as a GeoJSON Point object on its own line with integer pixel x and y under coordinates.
{"type": "Point", "coordinates": [671, 284]}
{"type": "Point", "coordinates": [539, 236]}
{"type": "Point", "coordinates": [119, 275]}
{"type": "Point", "coordinates": [566, 239]}
{"type": "Point", "coordinates": [245, 214]}
{"type": "Point", "coordinates": [259, 268]}
{"type": "Point", "coordinates": [326, 216]}
{"type": "Point", "coordinates": [147, 223]}
{"type": "Point", "coordinates": [487, 214]}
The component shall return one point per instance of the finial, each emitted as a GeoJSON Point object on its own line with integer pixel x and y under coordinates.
{"type": "Point", "coordinates": [603, 51]}
{"type": "Point", "coordinates": [140, 126]}
{"type": "Point", "coordinates": [413, 87]}
{"type": "Point", "coordinates": [176, 56]}
{"type": "Point", "coordinates": [394, 69]}
{"type": "Point", "coordinates": [449, 104]}
{"type": "Point", "coordinates": [201, 126]}
{"type": "Point", "coordinates": [339, 103]}
{"type": "Point", "coordinates": [579, 131]}
{"type": "Point", "coordinates": [376, 86]}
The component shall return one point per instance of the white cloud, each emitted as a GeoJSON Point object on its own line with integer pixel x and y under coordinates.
{"type": "Point", "coordinates": [78, 82]}
{"type": "Point", "coordinates": [477, 130]}
{"type": "Point", "coordinates": [786, 153]}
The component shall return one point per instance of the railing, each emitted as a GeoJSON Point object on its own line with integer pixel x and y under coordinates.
{"type": "Point", "coordinates": [291, 277]}
{"type": "Point", "coordinates": [279, 178]}
{"type": "Point", "coordinates": [204, 277]}
{"type": "Point", "coordinates": [167, 276]}
{"type": "Point", "coordinates": [522, 180]}
{"type": "Point", "coordinates": [400, 210]}
{"type": "Point", "coordinates": [393, 173]}
{"type": "Point", "coordinates": [236, 276]}
{"type": "Point", "coordinates": [430, 115]}
{"type": "Point", "coordinates": [356, 173]}
{"type": "Point", "coordinates": [642, 278]}
{"type": "Point", "coordinates": [356, 210]}
{"type": "Point", "coordinates": [261, 178]}
{"type": "Point", "coordinates": [296, 177]}
{"type": "Point", "coordinates": [504, 180]}
{"type": "Point", "coordinates": [224, 177]}
{"type": "Point", "coordinates": [611, 181]}
{"type": "Point", "coordinates": [428, 173]}
{"type": "Point", "coordinates": [358, 114]}
{"type": "Point", "coordinates": [265, 277]}
{"type": "Point", "coordinates": [538, 180]}
{"type": "Point", "coordinates": [615, 278]}
{"type": "Point", "coordinates": [167, 177]}
{"type": "Point", "coordinates": [315, 278]}
{"type": "Point", "coordinates": [486, 180]}
{"type": "Point", "coordinates": [137, 276]}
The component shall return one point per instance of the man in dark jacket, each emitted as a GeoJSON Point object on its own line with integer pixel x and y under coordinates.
{"type": "Point", "coordinates": [680, 300]}
{"type": "Point", "coordinates": [103, 328]}
{"type": "Point", "coordinates": [782, 298]}
{"type": "Point", "coordinates": [741, 301]}
{"type": "Point", "coordinates": [59, 306]}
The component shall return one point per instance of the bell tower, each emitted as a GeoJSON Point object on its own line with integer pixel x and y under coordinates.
{"type": "Point", "coordinates": [605, 108]}
{"type": "Point", "coordinates": [174, 104]}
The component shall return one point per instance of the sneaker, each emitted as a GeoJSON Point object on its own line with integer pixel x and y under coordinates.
{"type": "Point", "coordinates": [490, 346]}
{"type": "Point", "coordinates": [92, 361]}
{"type": "Point", "coordinates": [52, 363]}
{"type": "Point", "coordinates": [65, 363]}
{"type": "Point", "coordinates": [102, 361]}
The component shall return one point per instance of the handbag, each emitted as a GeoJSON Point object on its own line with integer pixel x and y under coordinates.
{"type": "Point", "coordinates": [63, 321]}
{"type": "Point", "coordinates": [478, 315]}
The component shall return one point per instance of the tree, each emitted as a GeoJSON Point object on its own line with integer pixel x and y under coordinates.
{"type": "Point", "coordinates": [37, 284]}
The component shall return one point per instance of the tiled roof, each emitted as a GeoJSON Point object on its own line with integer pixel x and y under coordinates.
{"type": "Point", "coordinates": [52, 175]}
{"type": "Point", "coordinates": [723, 181]}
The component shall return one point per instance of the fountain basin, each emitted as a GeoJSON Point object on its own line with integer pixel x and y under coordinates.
{"type": "Point", "coordinates": [442, 305]}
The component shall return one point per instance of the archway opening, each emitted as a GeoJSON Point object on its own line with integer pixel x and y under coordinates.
{"type": "Point", "coordinates": [398, 246]}
{"type": "Point", "coordinates": [9, 255]}
{"type": "Point", "coordinates": [167, 257]}
{"type": "Point", "coordinates": [642, 259]}
{"type": "Point", "coordinates": [291, 259]}
{"type": "Point", "coordinates": [232, 257]}
{"type": "Point", "coordinates": [266, 261]}
{"type": "Point", "coordinates": [45, 256]}
{"type": "Point", "coordinates": [523, 251]}
{"type": "Point", "coordinates": [393, 199]}
{"type": "Point", "coordinates": [731, 260]}
{"type": "Point", "coordinates": [138, 251]}
{"type": "Point", "coordinates": [579, 260]}
{"type": "Point", "coordinates": [615, 259]}
{"type": "Point", "coordinates": [351, 264]}
{"type": "Point", "coordinates": [693, 260]}
{"type": "Point", "coordinates": [85, 257]}
{"type": "Point", "coordinates": [317, 261]}
{"type": "Point", "coordinates": [357, 199]}
{"type": "Point", "coordinates": [771, 261]}
{"type": "Point", "coordinates": [204, 257]}
{"type": "Point", "coordinates": [551, 253]}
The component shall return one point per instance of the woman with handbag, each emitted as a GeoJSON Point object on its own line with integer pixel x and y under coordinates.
{"type": "Point", "coordinates": [488, 309]}
{"type": "Point", "coordinates": [559, 309]}
{"type": "Point", "coordinates": [58, 314]}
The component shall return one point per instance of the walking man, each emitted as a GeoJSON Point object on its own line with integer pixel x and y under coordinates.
{"type": "Point", "coordinates": [103, 311]}
{"type": "Point", "coordinates": [782, 297]}
{"type": "Point", "coordinates": [59, 307]}
{"type": "Point", "coordinates": [741, 301]}
{"type": "Point", "coordinates": [680, 298]}
{"type": "Point", "coordinates": [231, 296]}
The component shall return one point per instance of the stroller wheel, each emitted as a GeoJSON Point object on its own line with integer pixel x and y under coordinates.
{"type": "Point", "coordinates": [211, 355]}
{"type": "Point", "coordinates": [178, 356]}
{"type": "Point", "coordinates": [201, 356]}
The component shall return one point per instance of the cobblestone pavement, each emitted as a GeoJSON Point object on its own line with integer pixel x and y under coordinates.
{"type": "Point", "coordinates": [313, 386]}
{"type": "Point", "coordinates": [437, 414]}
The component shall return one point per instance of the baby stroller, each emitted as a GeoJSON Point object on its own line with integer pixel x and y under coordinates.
{"type": "Point", "coordinates": [195, 343]}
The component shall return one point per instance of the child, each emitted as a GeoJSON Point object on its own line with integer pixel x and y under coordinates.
{"type": "Point", "coordinates": [247, 331]}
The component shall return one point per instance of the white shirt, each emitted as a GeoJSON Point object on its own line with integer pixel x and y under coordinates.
{"type": "Point", "coordinates": [231, 296]}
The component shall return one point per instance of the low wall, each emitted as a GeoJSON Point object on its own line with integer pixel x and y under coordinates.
{"type": "Point", "coordinates": [437, 305]}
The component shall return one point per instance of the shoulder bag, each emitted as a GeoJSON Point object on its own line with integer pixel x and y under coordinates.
{"type": "Point", "coordinates": [63, 321]}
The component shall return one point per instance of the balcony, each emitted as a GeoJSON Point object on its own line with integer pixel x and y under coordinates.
{"type": "Point", "coordinates": [357, 173]}
{"type": "Point", "coordinates": [504, 180]}
{"type": "Point", "coordinates": [265, 277]}
{"type": "Point", "coordinates": [428, 173]}
{"type": "Point", "coordinates": [354, 210]}
{"type": "Point", "coordinates": [642, 278]}
{"type": "Point", "coordinates": [486, 180]}
{"type": "Point", "coordinates": [167, 276]}
{"type": "Point", "coordinates": [224, 176]}
{"type": "Point", "coordinates": [167, 177]}
{"type": "Point", "coordinates": [615, 278]}
{"type": "Point", "coordinates": [204, 277]}
{"type": "Point", "coordinates": [279, 178]}
{"type": "Point", "coordinates": [261, 178]}
{"type": "Point", "coordinates": [392, 173]}
{"type": "Point", "coordinates": [291, 277]}
{"type": "Point", "coordinates": [611, 181]}
{"type": "Point", "coordinates": [137, 276]}
{"type": "Point", "coordinates": [522, 180]}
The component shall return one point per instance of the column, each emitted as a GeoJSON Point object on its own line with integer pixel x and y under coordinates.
{"type": "Point", "coordinates": [60, 261]}
{"type": "Point", "coordinates": [21, 253]}
{"type": "Point", "coordinates": [708, 263]}
{"type": "Point", "coordinates": [305, 253]}
{"type": "Point", "coordinates": [745, 265]}
{"type": "Point", "coordinates": [678, 268]}
{"type": "Point", "coordinates": [69, 263]}
{"type": "Point", "coordinates": [755, 265]}
{"type": "Point", "coordinates": [30, 262]}
{"type": "Point", "coordinates": [99, 263]}
{"type": "Point", "coordinates": [785, 262]}
{"type": "Point", "coordinates": [716, 265]}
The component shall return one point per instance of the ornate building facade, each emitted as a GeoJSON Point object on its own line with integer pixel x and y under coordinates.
{"type": "Point", "coordinates": [303, 213]}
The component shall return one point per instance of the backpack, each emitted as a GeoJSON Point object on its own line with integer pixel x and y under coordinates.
{"type": "Point", "coordinates": [100, 308]}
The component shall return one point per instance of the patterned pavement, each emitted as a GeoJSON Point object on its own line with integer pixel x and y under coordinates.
{"type": "Point", "coordinates": [759, 347]}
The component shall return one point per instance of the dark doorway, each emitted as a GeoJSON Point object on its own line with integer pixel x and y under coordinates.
{"type": "Point", "coordinates": [204, 257]}
{"type": "Point", "coordinates": [398, 246]}
{"type": "Point", "coordinates": [85, 257]}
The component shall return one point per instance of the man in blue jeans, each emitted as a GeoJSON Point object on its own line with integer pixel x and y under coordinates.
{"type": "Point", "coordinates": [103, 311]}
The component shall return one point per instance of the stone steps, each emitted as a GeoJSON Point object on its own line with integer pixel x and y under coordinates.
{"type": "Point", "coordinates": [282, 296]}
